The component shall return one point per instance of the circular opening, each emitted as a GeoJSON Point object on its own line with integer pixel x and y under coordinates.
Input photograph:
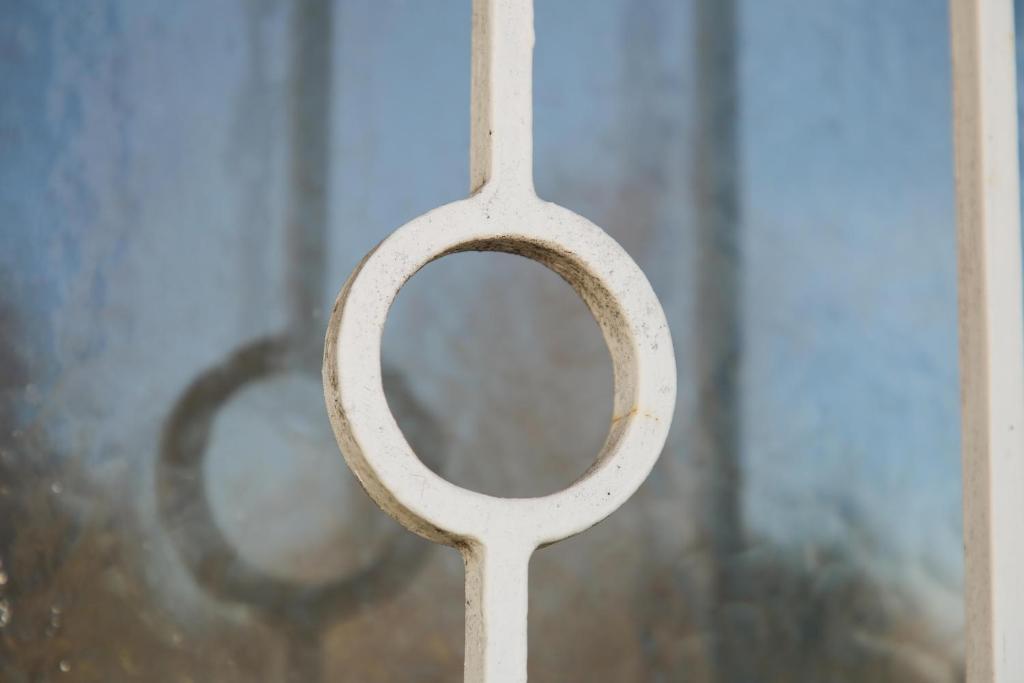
{"type": "Point", "coordinates": [511, 362]}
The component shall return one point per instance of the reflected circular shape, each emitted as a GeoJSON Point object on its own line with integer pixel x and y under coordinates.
{"type": "Point", "coordinates": [279, 492]}
{"type": "Point", "coordinates": [189, 520]}
{"type": "Point", "coordinates": [626, 309]}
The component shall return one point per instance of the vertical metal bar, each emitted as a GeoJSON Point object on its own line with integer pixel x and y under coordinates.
{"type": "Point", "coordinates": [718, 308]}
{"type": "Point", "coordinates": [501, 151]}
{"type": "Point", "coordinates": [497, 536]}
{"type": "Point", "coordinates": [501, 105]}
{"type": "Point", "coordinates": [991, 337]}
{"type": "Point", "coordinates": [497, 598]}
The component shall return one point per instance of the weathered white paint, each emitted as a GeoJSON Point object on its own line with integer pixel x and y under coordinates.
{"type": "Point", "coordinates": [991, 339]}
{"type": "Point", "coordinates": [497, 536]}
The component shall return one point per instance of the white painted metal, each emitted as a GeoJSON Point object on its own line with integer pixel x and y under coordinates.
{"type": "Point", "coordinates": [497, 536]}
{"type": "Point", "coordinates": [991, 337]}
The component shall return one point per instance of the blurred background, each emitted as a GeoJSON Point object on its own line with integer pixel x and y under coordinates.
{"type": "Point", "coordinates": [185, 186]}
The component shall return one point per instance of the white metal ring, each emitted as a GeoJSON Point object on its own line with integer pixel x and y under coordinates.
{"type": "Point", "coordinates": [622, 301]}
